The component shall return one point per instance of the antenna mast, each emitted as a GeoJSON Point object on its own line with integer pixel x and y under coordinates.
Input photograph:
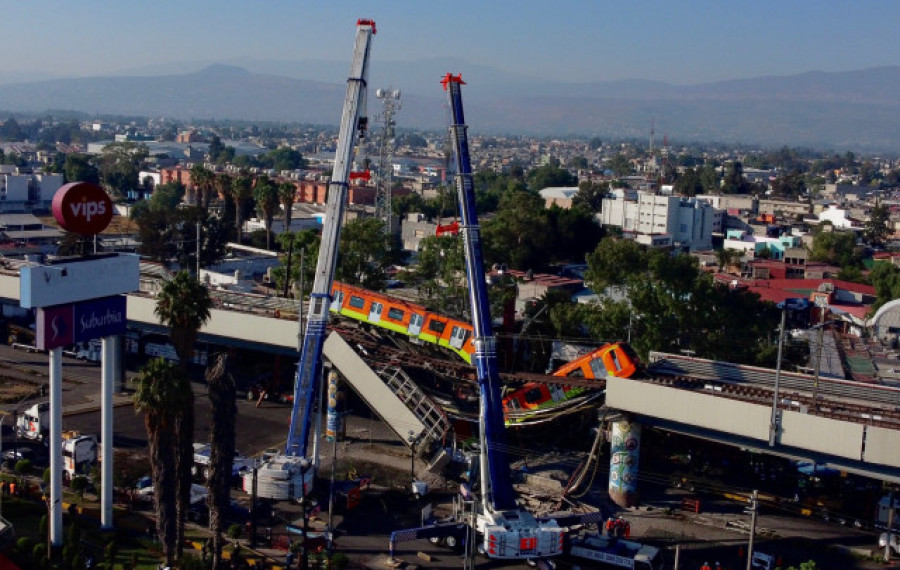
{"type": "Point", "coordinates": [391, 100]}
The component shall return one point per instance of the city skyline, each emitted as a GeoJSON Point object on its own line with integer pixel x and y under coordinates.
{"type": "Point", "coordinates": [570, 40]}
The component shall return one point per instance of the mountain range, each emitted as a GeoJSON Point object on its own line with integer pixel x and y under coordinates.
{"type": "Point", "coordinates": [853, 110]}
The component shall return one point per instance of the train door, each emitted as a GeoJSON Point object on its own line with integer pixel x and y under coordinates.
{"type": "Point", "coordinates": [337, 301]}
{"type": "Point", "coordinates": [375, 312]}
{"type": "Point", "coordinates": [458, 337]}
{"type": "Point", "coordinates": [557, 393]}
{"type": "Point", "coordinates": [415, 324]}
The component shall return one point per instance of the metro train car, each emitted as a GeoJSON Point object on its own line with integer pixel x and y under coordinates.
{"type": "Point", "coordinates": [403, 317]}
{"type": "Point", "coordinates": [613, 359]}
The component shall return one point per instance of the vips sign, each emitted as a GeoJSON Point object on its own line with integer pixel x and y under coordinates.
{"type": "Point", "coordinates": [64, 325]}
{"type": "Point", "coordinates": [82, 208]}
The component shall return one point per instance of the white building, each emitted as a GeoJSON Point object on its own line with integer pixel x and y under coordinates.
{"type": "Point", "coordinates": [27, 192]}
{"type": "Point", "coordinates": [839, 217]}
{"type": "Point", "coordinates": [662, 220]}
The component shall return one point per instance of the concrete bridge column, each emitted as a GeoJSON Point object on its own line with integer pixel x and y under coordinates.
{"type": "Point", "coordinates": [624, 462]}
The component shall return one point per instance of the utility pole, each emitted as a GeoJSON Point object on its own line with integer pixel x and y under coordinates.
{"type": "Point", "coordinates": [752, 509]}
{"type": "Point", "coordinates": [773, 424]}
{"type": "Point", "coordinates": [198, 250]}
{"type": "Point", "coordinates": [890, 526]}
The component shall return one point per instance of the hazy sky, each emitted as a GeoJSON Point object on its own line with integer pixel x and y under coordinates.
{"type": "Point", "coordinates": [575, 40]}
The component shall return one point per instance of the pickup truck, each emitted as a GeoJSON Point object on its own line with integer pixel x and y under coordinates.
{"type": "Point", "coordinates": [239, 464]}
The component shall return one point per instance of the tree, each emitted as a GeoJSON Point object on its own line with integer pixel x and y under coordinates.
{"type": "Point", "coordinates": [241, 191]}
{"type": "Point", "coordinates": [590, 195]}
{"type": "Point", "coordinates": [571, 233]}
{"type": "Point", "coordinates": [726, 257]}
{"type": "Point", "coordinates": [202, 181]}
{"type": "Point", "coordinates": [215, 148]}
{"type": "Point", "coordinates": [834, 247]}
{"type": "Point", "coordinates": [302, 246]}
{"type": "Point", "coordinates": [612, 262]}
{"type": "Point", "coordinates": [515, 235]}
{"type": "Point", "coordinates": [119, 165]}
{"type": "Point", "coordinates": [222, 397]}
{"type": "Point", "coordinates": [364, 253]}
{"type": "Point", "coordinates": [886, 280]}
{"type": "Point", "coordinates": [876, 229]}
{"type": "Point", "coordinates": [620, 165]}
{"type": "Point", "coordinates": [79, 168]}
{"type": "Point", "coordinates": [550, 175]}
{"type": "Point", "coordinates": [440, 275]}
{"type": "Point", "coordinates": [183, 305]}
{"type": "Point", "coordinates": [160, 396]}
{"type": "Point", "coordinates": [287, 194]}
{"type": "Point", "coordinates": [265, 192]}
{"type": "Point", "coordinates": [734, 179]}
{"type": "Point", "coordinates": [688, 183]}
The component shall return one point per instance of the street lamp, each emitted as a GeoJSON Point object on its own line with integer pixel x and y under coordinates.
{"type": "Point", "coordinates": [413, 440]}
{"type": "Point", "coordinates": [785, 306]}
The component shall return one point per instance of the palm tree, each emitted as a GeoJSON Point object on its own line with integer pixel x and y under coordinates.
{"type": "Point", "coordinates": [266, 195]}
{"type": "Point", "coordinates": [726, 257]}
{"type": "Point", "coordinates": [202, 180]}
{"type": "Point", "coordinates": [222, 397]}
{"type": "Point", "coordinates": [287, 193]}
{"type": "Point", "coordinates": [241, 191]}
{"type": "Point", "coordinates": [183, 305]}
{"type": "Point", "coordinates": [160, 396]}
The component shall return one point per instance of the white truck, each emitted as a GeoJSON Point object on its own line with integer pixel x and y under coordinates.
{"type": "Point", "coordinates": [34, 423]}
{"type": "Point", "coordinates": [79, 454]}
{"type": "Point", "coordinates": [239, 464]}
{"type": "Point", "coordinates": [86, 351]}
{"type": "Point", "coordinates": [615, 552]}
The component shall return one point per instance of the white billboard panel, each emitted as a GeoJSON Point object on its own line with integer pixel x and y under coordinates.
{"type": "Point", "coordinates": [78, 280]}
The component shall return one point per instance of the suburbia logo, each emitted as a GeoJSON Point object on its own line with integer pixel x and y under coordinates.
{"type": "Point", "coordinates": [87, 210]}
{"type": "Point", "coordinates": [104, 319]}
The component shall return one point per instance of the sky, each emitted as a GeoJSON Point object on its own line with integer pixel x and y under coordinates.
{"type": "Point", "coordinates": [683, 42]}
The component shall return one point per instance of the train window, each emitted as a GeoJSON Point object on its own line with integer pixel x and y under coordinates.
{"type": "Point", "coordinates": [395, 314]}
{"type": "Point", "coordinates": [614, 357]}
{"type": "Point", "coordinates": [512, 404]}
{"type": "Point", "coordinates": [460, 333]}
{"type": "Point", "coordinates": [577, 373]}
{"type": "Point", "coordinates": [356, 302]}
{"type": "Point", "coordinates": [534, 396]}
{"type": "Point", "coordinates": [436, 326]}
{"type": "Point", "coordinates": [415, 320]}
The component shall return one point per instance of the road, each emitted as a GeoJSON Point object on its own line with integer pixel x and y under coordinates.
{"type": "Point", "coordinates": [363, 534]}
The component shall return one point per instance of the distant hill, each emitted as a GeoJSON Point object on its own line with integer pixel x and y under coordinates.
{"type": "Point", "coordinates": [855, 110]}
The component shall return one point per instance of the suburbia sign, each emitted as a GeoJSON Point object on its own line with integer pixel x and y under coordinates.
{"type": "Point", "coordinates": [63, 325]}
{"type": "Point", "coordinates": [83, 208]}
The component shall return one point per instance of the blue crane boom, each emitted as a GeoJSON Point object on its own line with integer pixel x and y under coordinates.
{"type": "Point", "coordinates": [353, 124]}
{"type": "Point", "coordinates": [496, 481]}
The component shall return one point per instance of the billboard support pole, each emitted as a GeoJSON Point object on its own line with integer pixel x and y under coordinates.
{"type": "Point", "coordinates": [107, 374]}
{"type": "Point", "coordinates": [56, 466]}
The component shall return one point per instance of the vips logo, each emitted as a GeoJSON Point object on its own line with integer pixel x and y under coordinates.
{"type": "Point", "coordinates": [83, 208]}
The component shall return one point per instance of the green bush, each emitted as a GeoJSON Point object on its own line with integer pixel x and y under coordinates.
{"type": "Point", "coordinates": [80, 485]}
{"type": "Point", "coordinates": [234, 532]}
{"type": "Point", "coordinates": [23, 466]}
{"type": "Point", "coordinates": [339, 561]}
{"type": "Point", "coordinates": [25, 544]}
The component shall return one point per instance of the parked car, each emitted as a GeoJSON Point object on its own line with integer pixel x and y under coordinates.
{"type": "Point", "coordinates": [13, 456]}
